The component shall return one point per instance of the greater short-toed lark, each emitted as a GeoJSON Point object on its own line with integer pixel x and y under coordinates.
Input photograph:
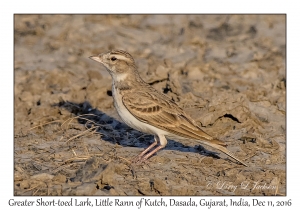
{"type": "Point", "coordinates": [145, 109]}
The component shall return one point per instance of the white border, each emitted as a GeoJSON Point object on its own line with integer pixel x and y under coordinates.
{"type": "Point", "coordinates": [153, 6]}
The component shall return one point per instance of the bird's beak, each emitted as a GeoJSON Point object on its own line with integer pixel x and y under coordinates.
{"type": "Point", "coordinates": [96, 58]}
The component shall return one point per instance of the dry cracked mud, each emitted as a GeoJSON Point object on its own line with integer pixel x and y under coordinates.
{"type": "Point", "coordinates": [227, 71]}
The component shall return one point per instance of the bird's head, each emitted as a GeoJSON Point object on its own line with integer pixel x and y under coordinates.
{"type": "Point", "coordinates": [118, 63]}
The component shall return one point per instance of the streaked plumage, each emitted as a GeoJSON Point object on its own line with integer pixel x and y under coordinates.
{"type": "Point", "coordinates": [145, 109]}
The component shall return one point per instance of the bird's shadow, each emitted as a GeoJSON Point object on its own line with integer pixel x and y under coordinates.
{"type": "Point", "coordinates": [117, 132]}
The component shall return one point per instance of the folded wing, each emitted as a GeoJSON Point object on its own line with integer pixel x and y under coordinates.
{"type": "Point", "coordinates": [159, 111]}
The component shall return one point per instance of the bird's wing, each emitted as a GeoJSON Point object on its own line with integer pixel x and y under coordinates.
{"type": "Point", "coordinates": [159, 111]}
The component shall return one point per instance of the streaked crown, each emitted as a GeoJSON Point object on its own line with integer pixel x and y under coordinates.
{"type": "Point", "coordinates": [118, 63]}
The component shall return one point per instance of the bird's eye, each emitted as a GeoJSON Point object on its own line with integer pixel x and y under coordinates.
{"type": "Point", "coordinates": [113, 58]}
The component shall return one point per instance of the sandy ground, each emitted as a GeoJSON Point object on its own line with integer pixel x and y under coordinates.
{"type": "Point", "coordinates": [227, 71]}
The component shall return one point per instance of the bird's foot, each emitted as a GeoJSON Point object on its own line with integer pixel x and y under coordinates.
{"type": "Point", "coordinates": [143, 157]}
{"type": "Point", "coordinates": [139, 160]}
{"type": "Point", "coordinates": [136, 159]}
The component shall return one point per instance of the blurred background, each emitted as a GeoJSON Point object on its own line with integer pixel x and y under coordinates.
{"type": "Point", "coordinates": [57, 41]}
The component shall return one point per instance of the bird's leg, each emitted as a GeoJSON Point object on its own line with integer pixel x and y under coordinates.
{"type": "Point", "coordinates": [163, 143]}
{"type": "Point", "coordinates": [144, 158]}
{"type": "Point", "coordinates": [139, 157]}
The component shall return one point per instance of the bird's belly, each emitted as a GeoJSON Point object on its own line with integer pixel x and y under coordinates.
{"type": "Point", "coordinates": [130, 120]}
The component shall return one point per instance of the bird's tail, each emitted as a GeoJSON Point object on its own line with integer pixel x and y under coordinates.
{"type": "Point", "coordinates": [230, 154]}
{"type": "Point", "coordinates": [219, 145]}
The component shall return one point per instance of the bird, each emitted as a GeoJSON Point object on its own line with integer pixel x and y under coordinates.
{"type": "Point", "coordinates": [147, 110]}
